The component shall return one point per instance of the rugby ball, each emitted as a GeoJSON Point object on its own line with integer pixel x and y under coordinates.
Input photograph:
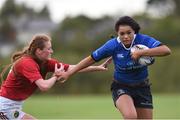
{"type": "Point", "coordinates": [143, 60]}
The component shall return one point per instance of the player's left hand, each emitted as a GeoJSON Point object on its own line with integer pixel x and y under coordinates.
{"type": "Point", "coordinates": [104, 65]}
{"type": "Point", "coordinates": [63, 76]}
{"type": "Point", "coordinates": [58, 70]}
{"type": "Point", "coordinates": [136, 54]}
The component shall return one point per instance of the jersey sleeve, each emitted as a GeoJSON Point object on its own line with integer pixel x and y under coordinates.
{"type": "Point", "coordinates": [104, 51]}
{"type": "Point", "coordinates": [31, 71]}
{"type": "Point", "coordinates": [51, 65]}
{"type": "Point", "coordinates": [152, 42]}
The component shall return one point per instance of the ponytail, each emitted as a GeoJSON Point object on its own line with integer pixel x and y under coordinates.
{"type": "Point", "coordinates": [19, 54]}
{"type": "Point", "coordinates": [4, 72]}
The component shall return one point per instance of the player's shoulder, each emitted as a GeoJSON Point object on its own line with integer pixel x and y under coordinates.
{"type": "Point", "coordinates": [143, 36]}
{"type": "Point", "coordinates": [26, 61]}
{"type": "Point", "coordinates": [112, 42]}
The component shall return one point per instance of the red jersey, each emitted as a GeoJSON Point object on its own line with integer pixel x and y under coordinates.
{"type": "Point", "coordinates": [20, 82]}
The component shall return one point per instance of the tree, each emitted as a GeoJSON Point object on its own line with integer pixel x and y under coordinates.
{"type": "Point", "coordinates": [8, 9]}
{"type": "Point", "coordinates": [165, 6]}
{"type": "Point", "coordinates": [7, 31]}
{"type": "Point", "coordinates": [44, 12]}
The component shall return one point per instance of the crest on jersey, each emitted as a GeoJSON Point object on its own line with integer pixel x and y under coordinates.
{"type": "Point", "coordinates": [16, 114]}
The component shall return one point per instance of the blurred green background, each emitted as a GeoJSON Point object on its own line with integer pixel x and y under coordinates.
{"type": "Point", "coordinates": [166, 106]}
{"type": "Point", "coordinates": [74, 38]}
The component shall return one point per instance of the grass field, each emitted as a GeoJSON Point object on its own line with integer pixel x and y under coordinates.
{"type": "Point", "coordinates": [94, 107]}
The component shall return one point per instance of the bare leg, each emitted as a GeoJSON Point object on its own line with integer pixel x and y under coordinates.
{"type": "Point", "coordinates": [144, 113]}
{"type": "Point", "coordinates": [126, 106]}
{"type": "Point", "coordinates": [28, 117]}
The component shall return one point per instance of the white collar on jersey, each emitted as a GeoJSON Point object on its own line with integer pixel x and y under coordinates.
{"type": "Point", "coordinates": [119, 41]}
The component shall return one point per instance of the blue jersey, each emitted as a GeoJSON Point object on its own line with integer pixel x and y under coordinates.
{"type": "Point", "coordinates": [126, 69]}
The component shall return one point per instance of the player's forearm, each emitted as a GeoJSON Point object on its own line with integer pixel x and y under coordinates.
{"type": "Point", "coordinates": [81, 66]}
{"type": "Point", "coordinates": [91, 69]}
{"type": "Point", "coordinates": [45, 85]}
{"type": "Point", "coordinates": [50, 82]}
{"type": "Point", "coordinates": [158, 51]}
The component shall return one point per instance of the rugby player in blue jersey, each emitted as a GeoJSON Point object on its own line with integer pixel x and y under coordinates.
{"type": "Point", "coordinates": [130, 89]}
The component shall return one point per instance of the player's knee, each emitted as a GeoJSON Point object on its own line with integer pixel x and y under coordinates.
{"type": "Point", "coordinates": [130, 115]}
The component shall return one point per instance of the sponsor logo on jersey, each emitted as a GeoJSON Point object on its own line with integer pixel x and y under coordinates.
{"type": "Point", "coordinates": [120, 56]}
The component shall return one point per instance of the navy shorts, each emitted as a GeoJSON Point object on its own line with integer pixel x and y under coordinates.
{"type": "Point", "coordinates": [141, 94]}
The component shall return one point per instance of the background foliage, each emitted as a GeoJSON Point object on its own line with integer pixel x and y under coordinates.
{"type": "Point", "coordinates": [76, 37]}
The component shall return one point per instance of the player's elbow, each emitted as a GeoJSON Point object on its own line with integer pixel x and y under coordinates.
{"type": "Point", "coordinates": [44, 88]}
{"type": "Point", "coordinates": [43, 85]}
{"type": "Point", "coordinates": [167, 51]}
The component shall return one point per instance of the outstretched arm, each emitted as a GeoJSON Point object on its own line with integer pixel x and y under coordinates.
{"type": "Point", "coordinates": [101, 67]}
{"type": "Point", "coordinates": [81, 65]}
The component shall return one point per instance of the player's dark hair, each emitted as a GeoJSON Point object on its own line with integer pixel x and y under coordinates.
{"type": "Point", "coordinates": [126, 20]}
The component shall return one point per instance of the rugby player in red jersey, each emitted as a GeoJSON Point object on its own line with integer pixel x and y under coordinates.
{"type": "Point", "coordinates": [28, 72]}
